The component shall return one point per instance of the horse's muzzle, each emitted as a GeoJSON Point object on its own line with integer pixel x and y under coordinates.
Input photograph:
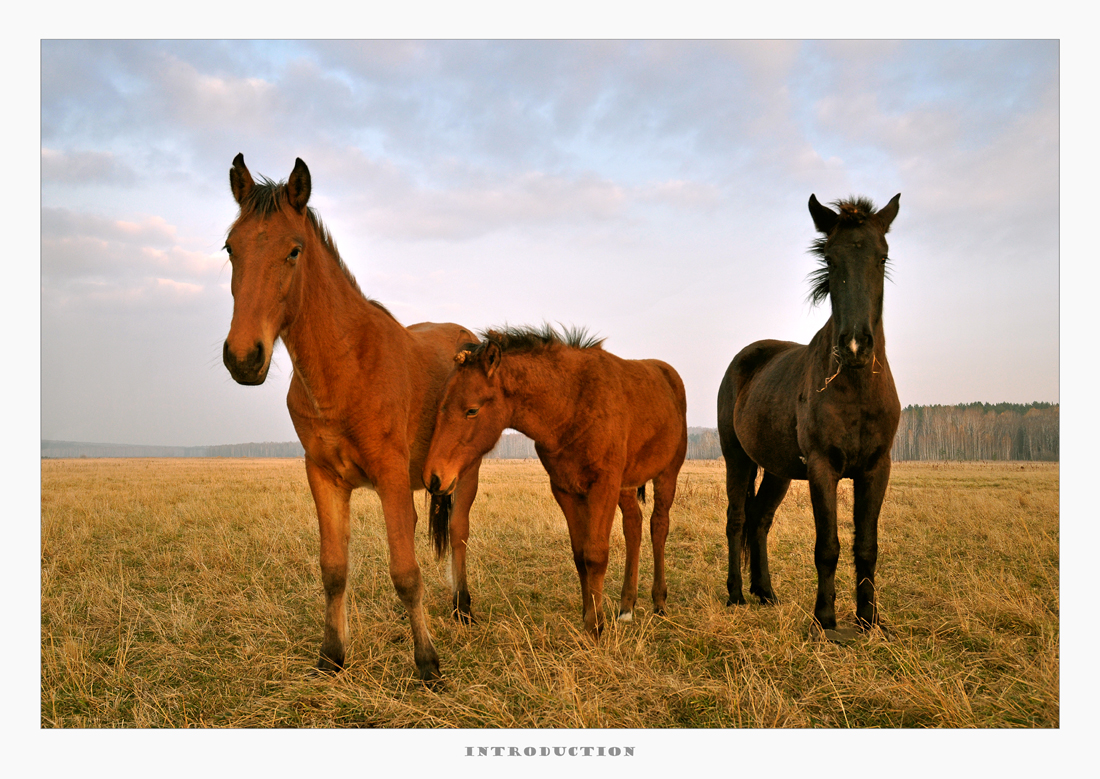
{"type": "Point", "coordinates": [435, 486]}
{"type": "Point", "coordinates": [855, 350]}
{"type": "Point", "coordinates": [251, 370]}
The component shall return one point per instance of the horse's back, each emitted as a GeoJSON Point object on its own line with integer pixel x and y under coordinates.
{"type": "Point", "coordinates": [756, 356]}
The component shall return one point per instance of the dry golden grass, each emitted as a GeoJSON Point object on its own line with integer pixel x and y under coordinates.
{"type": "Point", "coordinates": [186, 593]}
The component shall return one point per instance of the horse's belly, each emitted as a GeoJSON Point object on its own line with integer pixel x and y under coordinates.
{"type": "Point", "coordinates": [779, 463]}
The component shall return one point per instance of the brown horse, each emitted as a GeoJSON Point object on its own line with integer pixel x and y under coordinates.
{"type": "Point", "coordinates": [823, 412]}
{"type": "Point", "coordinates": [602, 427]}
{"type": "Point", "coordinates": [363, 396]}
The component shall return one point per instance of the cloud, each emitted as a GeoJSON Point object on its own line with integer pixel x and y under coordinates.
{"type": "Point", "coordinates": [89, 257]}
{"type": "Point", "coordinates": [85, 167]}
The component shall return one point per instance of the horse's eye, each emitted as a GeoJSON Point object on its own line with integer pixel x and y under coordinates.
{"type": "Point", "coordinates": [228, 250]}
{"type": "Point", "coordinates": [294, 254]}
{"type": "Point", "coordinates": [471, 412]}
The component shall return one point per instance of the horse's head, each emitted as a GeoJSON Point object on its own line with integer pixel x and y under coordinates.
{"type": "Point", "coordinates": [471, 416]}
{"type": "Point", "coordinates": [265, 246]}
{"type": "Point", "coordinates": [854, 254]}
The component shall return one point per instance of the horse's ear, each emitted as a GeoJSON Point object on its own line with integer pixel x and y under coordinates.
{"type": "Point", "coordinates": [490, 360]}
{"type": "Point", "coordinates": [298, 186]}
{"type": "Point", "coordinates": [824, 217]}
{"type": "Point", "coordinates": [887, 213]}
{"type": "Point", "coordinates": [240, 180]}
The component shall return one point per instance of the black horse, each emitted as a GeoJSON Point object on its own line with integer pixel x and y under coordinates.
{"type": "Point", "coordinates": [823, 412]}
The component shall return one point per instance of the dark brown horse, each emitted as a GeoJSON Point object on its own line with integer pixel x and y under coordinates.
{"type": "Point", "coordinates": [363, 396]}
{"type": "Point", "coordinates": [823, 412]}
{"type": "Point", "coordinates": [602, 427]}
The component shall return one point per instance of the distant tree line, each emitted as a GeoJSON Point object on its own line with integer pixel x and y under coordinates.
{"type": "Point", "coordinates": [978, 431]}
{"type": "Point", "coordinates": [703, 443]}
{"type": "Point", "coordinates": [974, 431]}
{"type": "Point", "coordinates": [513, 446]}
{"type": "Point", "coordinates": [58, 449]}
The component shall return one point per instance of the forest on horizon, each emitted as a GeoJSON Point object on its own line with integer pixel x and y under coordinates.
{"type": "Point", "coordinates": [970, 431]}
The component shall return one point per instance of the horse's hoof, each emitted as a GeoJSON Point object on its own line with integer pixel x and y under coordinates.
{"type": "Point", "coordinates": [658, 611]}
{"type": "Point", "coordinates": [626, 616]}
{"type": "Point", "coordinates": [435, 684]}
{"type": "Point", "coordinates": [329, 665]}
{"type": "Point", "coordinates": [738, 601]}
{"type": "Point", "coordinates": [430, 674]}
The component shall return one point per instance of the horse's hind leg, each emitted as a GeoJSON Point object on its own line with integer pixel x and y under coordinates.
{"type": "Point", "coordinates": [632, 534]}
{"type": "Point", "coordinates": [868, 494]}
{"type": "Point", "coordinates": [740, 481]}
{"type": "Point", "coordinates": [664, 493]}
{"type": "Point", "coordinates": [758, 521]}
{"type": "Point", "coordinates": [465, 493]}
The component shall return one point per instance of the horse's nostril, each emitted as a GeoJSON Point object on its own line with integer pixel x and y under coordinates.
{"type": "Point", "coordinates": [434, 486]}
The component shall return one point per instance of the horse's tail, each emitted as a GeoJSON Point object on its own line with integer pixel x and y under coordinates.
{"type": "Point", "coordinates": [752, 520]}
{"type": "Point", "coordinates": [641, 493]}
{"type": "Point", "coordinates": [439, 515]}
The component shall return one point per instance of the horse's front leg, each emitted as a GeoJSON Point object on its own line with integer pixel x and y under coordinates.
{"type": "Point", "coordinates": [589, 518]}
{"type": "Point", "coordinates": [333, 501]}
{"type": "Point", "coordinates": [600, 502]}
{"type": "Point", "coordinates": [400, 515]}
{"type": "Point", "coordinates": [740, 481]}
{"type": "Point", "coordinates": [823, 481]}
{"type": "Point", "coordinates": [868, 493]}
{"type": "Point", "coordinates": [465, 493]}
{"type": "Point", "coordinates": [576, 519]}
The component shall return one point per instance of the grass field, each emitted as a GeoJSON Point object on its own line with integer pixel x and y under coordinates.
{"type": "Point", "coordinates": [187, 593]}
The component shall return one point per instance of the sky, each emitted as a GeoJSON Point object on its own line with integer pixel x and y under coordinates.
{"type": "Point", "coordinates": [653, 192]}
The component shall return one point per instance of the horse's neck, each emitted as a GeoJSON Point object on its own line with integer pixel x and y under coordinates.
{"type": "Point", "coordinates": [328, 325]}
{"type": "Point", "coordinates": [542, 390]}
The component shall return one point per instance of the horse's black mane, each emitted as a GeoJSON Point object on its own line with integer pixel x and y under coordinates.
{"type": "Point", "coordinates": [526, 339]}
{"type": "Point", "coordinates": [267, 197]}
{"type": "Point", "coordinates": [853, 211]}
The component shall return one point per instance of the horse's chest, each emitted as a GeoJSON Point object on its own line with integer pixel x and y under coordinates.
{"type": "Point", "coordinates": [849, 435]}
{"type": "Point", "coordinates": [334, 452]}
{"type": "Point", "coordinates": [568, 473]}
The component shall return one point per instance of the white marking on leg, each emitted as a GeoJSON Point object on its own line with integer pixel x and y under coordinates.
{"type": "Point", "coordinates": [626, 616]}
